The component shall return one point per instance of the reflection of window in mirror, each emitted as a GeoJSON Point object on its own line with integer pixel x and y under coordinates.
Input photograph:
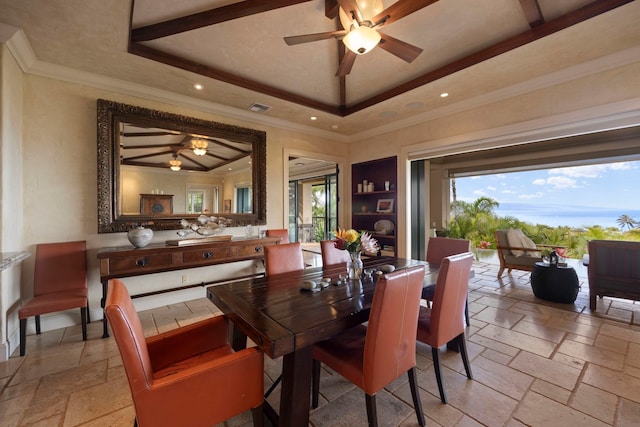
{"type": "Point", "coordinates": [243, 199]}
{"type": "Point", "coordinates": [203, 199]}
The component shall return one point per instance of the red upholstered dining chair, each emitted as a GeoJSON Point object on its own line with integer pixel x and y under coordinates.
{"type": "Point", "coordinates": [282, 233]}
{"type": "Point", "coordinates": [332, 255]}
{"type": "Point", "coordinates": [373, 356]}
{"type": "Point", "coordinates": [189, 376]}
{"type": "Point", "coordinates": [59, 283]}
{"type": "Point", "coordinates": [437, 249]}
{"type": "Point", "coordinates": [283, 258]}
{"type": "Point", "coordinates": [443, 321]}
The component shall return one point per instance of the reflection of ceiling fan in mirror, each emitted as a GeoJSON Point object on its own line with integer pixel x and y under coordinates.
{"type": "Point", "coordinates": [161, 148]}
{"type": "Point", "coordinates": [361, 21]}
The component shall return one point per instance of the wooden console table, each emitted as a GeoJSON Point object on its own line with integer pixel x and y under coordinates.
{"type": "Point", "coordinates": [127, 261]}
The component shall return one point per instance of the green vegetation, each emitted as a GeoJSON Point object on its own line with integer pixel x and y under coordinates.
{"type": "Point", "coordinates": [477, 222]}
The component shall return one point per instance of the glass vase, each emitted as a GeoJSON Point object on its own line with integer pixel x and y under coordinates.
{"type": "Point", "coordinates": [354, 267]}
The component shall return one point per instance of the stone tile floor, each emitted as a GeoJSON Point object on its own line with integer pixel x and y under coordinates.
{"type": "Point", "coordinates": [535, 363]}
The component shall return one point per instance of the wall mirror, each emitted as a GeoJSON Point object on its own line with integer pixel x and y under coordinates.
{"type": "Point", "coordinates": [157, 168]}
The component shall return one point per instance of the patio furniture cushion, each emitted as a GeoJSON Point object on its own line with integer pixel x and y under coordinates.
{"type": "Point", "coordinates": [517, 239]}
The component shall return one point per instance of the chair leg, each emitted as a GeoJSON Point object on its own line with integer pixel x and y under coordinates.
{"type": "Point", "coordinates": [415, 394]}
{"type": "Point", "coordinates": [462, 345]}
{"type": "Point", "coordinates": [88, 312]}
{"type": "Point", "coordinates": [258, 416]}
{"type": "Point", "coordinates": [315, 383]}
{"type": "Point", "coordinates": [23, 336]}
{"type": "Point", "coordinates": [83, 320]}
{"type": "Point", "coordinates": [372, 413]}
{"type": "Point", "coordinates": [466, 312]}
{"type": "Point", "coordinates": [38, 324]}
{"type": "Point", "coordinates": [436, 367]}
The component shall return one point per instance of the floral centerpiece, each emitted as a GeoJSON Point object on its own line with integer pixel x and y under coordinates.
{"type": "Point", "coordinates": [355, 242]}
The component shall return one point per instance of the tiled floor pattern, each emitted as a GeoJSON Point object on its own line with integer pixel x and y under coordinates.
{"type": "Point", "coordinates": [534, 363]}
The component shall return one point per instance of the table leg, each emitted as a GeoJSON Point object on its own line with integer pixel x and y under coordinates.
{"type": "Point", "coordinates": [296, 388]}
{"type": "Point", "coordinates": [103, 301]}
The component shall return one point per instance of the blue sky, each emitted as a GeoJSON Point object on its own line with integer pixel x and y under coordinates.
{"type": "Point", "coordinates": [607, 190]}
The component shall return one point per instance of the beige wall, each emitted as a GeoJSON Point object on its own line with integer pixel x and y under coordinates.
{"type": "Point", "coordinates": [11, 212]}
{"type": "Point", "coordinates": [60, 181]}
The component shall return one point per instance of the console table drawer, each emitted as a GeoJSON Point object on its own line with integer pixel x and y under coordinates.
{"type": "Point", "coordinates": [206, 256]}
{"type": "Point", "coordinates": [248, 250]}
{"type": "Point", "coordinates": [141, 263]}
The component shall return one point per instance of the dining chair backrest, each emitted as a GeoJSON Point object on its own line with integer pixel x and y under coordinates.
{"type": "Point", "coordinates": [282, 233]}
{"type": "Point", "coordinates": [390, 344]}
{"type": "Point", "coordinates": [129, 334]}
{"type": "Point", "coordinates": [440, 247]}
{"type": "Point", "coordinates": [60, 267]}
{"type": "Point", "coordinates": [332, 255]}
{"type": "Point", "coordinates": [187, 376]}
{"type": "Point", "coordinates": [447, 315]}
{"type": "Point", "coordinates": [283, 258]}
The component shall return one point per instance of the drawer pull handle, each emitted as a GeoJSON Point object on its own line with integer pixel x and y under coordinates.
{"type": "Point", "coordinates": [208, 255]}
{"type": "Point", "coordinates": [258, 249]}
{"type": "Point", "coordinates": [142, 262]}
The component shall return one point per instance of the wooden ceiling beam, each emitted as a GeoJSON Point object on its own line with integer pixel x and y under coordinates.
{"type": "Point", "coordinates": [532, 12]}
{"type": "Point", "coordinates": [227, 77]}
{"type": "Point", "coordinates": [207, 17]}
{"type": "Point", "coordinates": [572, 18]}
{"type": "Point", "coordinates": [331, 8]}
{"type": "Point", "coordinates": [588, 11]}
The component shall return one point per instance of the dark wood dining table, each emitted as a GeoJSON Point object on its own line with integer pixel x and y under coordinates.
{"type": "Point", "coordinates": [284, 320]}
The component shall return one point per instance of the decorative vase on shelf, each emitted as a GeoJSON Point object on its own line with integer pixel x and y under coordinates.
{"type": "Point", "coordinates": [140, 236]}
{"type": "Point", "coordinates": [354, 267]}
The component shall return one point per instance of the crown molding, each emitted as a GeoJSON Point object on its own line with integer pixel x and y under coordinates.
{"type": "Point", "coordinates": [20, 48]}
{"type": "Point", "coordinates": [17, 43]}
{"type": "Point", "coordinates": [595, 66]}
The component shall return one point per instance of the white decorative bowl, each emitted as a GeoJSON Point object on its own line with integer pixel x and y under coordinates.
{"type": "Point", "coordinates": [140, 236]}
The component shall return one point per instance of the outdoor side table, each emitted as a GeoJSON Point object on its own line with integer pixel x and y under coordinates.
{"type": "Point", "coordinates": [557, 283]}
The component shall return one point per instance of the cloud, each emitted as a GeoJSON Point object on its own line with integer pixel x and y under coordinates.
{"type": "Point", "coordinates": [531, 196]}
{"type": "Point", "coordinates": [561, 182]}
{"type": "Point", "coordinates": [491, 188]}
{"type": "Point", "coordinates": [479, 193]}
{"type": "Point", "coordinates": [508, 192]}
{"type": "Point", "coordinates": [590, 171]}
{"type": "Point", "coordinates": [539, 181]}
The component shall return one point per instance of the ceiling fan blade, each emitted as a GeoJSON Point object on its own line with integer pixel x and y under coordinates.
{"type": "Point", "coordinates": [399, 10]}
{"type": "Point", "coordinates": [351, 6]}
{"type": "Point", "coordinates": [347, 63]}
{"type": "Point", "coordinates": [403, 50]}
{"type": "Point", "coordinates": [307, 38]}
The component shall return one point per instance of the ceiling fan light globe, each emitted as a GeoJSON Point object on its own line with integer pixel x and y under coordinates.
{"type": "Point", "coordinates": [175, 165]}
{"type": "Point", "coordinates": [361, 40]}
{"type": "Point", "coordinates": [199, 146]}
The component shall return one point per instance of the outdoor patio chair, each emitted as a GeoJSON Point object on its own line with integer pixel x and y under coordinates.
{"type": "Point", "coordinates": [517, 251]}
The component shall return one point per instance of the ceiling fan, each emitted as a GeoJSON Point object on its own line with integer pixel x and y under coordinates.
{"type": "Point", "coordinates": [362, 20]}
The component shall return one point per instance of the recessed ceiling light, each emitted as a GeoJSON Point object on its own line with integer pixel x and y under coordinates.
{"type": "Point", "coordinates": [334, 127]}
{"type": "Point", "coordinates": [313, 118]}
{"type": "Point", "coordinates": [444, 95]}
{"type": "Point", "coordinates": [198, 86]}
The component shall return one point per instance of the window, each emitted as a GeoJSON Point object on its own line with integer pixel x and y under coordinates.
{"type": "Point", "coordinates": [243, 199]}
{"type": "Point", "coordinates": [203, 199]}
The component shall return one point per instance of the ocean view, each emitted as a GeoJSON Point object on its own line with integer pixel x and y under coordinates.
{"type": "Point", "coordinates": [560, 215]}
